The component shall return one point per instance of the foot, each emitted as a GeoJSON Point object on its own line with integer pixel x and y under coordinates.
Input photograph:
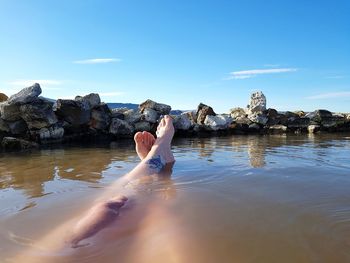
{"type": "Point", "coordinates": [144, 142]}
{"type": "Point", "coordinates": [162, 145]}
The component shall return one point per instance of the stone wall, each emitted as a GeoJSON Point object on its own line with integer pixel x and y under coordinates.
{"type": "Point", "coordinates": [28, 120]}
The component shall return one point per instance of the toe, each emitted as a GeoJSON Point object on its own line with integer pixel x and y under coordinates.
{"type": "Point", "coordinates": [138, 137]}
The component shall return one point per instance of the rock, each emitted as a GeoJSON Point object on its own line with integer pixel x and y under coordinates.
{"type": "Point", "coordinates": [9, 112]}
{"type": "Point", "coordinates": [100, 117]}
{"type": "Point", "coordinates": [347, 117]}
{"type": "Point", "coordinates": [333, 121]}
{"type": "Point", "coordinates": [298, 122]}
{"type": "Point", "coordinates": [278, 129]}
{"type": "Point", "coordinates": [257, 102]}
{"type": "Point", "coordinates": [38, 114]}
{"type": "Point", "coordinates": [132, 116]}
{"type": "Point", "coordinates": [318, 115]}
{"type": "Point", "coordinates": [150, 115]}
{"type": "Point", "coordinates": [237, 112]}
{"type": "Point", "coordinates": [119, 113]}
{"type": "Point", "coordinates": [4, 127]}
{"type": "Point", "coordinates": [300, 113]}
{"type": "Point", "coordinates": [191, 116]}
{"type": "Point", "coordinates": [313, 128]}
{"type": "Point", "coordinates": [217, 122]}
{"type": "Point", "coordinates": [15, 144]}
{"type": "Point", "coordinates": [254, 126]}
{"type": "Point", "coordinates": [182, 122]}
{"type": "Point", "coordinates": [258, 117]}
{"type": "Point", "coordinates": [142, 126]}
{"type": "Point", "coordinates": [162, 109]}
{"type": "Point", "coordinates": [203, 111]}
{"type": "Point", "coordinates": [290, 114]}
{"type": "Point", "coordinates": [243, 120]}
{"type": "Point", "coordinates": [26, 95]}
{"type": "Point", "coordinates": [3, 97]}
{"type": "Point", "coordinates": [18, 127]}
{"type": "Point", "coordinates": [52, 133]}
{"type": "Point", "coordinates": [93, 99]}
{"type": "Point", "coordinates": [121, 128]}
{"type": "Point", "coordinates": [76, 113]}
{"type": "Point", "coordinates": [272, 116]}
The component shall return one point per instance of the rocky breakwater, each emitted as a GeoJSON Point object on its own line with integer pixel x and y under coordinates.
{"type": "Point", "coordinates": [256, 118]}
{"type": "Point", "coordinates": [28, 120]}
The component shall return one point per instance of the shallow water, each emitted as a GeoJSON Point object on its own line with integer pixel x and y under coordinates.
{"type": "Point", "coordinates": [230, 199]}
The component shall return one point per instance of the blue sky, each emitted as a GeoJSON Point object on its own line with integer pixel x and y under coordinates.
{"type": "Point", "coordinates": [180, 52]}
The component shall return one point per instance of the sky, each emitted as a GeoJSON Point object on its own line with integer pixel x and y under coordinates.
{"type": "Point", "coordinates": [180, 52]}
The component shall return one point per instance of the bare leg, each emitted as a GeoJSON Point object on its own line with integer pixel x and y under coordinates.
{"type": "Point", "coordinates": [106, 210]}
{"type": "Point", "coordinates": [102, 214]}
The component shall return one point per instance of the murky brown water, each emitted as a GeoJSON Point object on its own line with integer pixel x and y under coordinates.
{"type": "Point", "coordinates": [230, 199]}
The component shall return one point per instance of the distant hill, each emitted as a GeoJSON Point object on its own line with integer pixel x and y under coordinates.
{"type": "Point", "coordinates": [131, 106]}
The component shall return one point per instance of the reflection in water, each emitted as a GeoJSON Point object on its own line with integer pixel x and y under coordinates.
{"type": "Point", "coordinates": [30, 171]}
{"type": "Point", "coordinates": [259, 199]}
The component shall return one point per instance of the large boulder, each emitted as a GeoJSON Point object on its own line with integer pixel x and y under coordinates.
{"type": "Point", "coordinates": [150, 115]}
{"type": "Point", "coordinates": [142, 126]}
{"type": "Point", "coordinates": [121, 128]}
{"type": "Point", "coordinates": [76, 113]}
{"type": "Point", "coordinates": [237, 113]}
{"type": "Point", "coordinates": [19, 127]}
{"type": "Point", "coordinates": [162, 109]}
{"type": "Point", "coordinates": [38, 114]}
{"type": "Point", "coordinates": [119, 113]}
{"type": "Point", "coordinates": [4, 127]}
{"type": "Point", "coordinates": [132, 116]}
{"type": "Point", "coordinates": [272, 116]}
{"type": "Point", "coordinates": [297, 122]}
{"type": "Point", "coordinates": [93, 99]}
{"type": "Point", "coordinates": [202, 112]}
{"type": "Point", "coordinates": [26, 95]}
{"type": "Point", "coordinates": [53, 133]}
{"type": "Point", "coordinates": [258, 117]}
{"type": "Point", "coordinates": [182, 122]}
{"type": "Point", "coordinates": [257, 102]}
{"type": "Point", "coordinates": [3, 97]}
{"type": "Point", "coordinates": [9, 112]}
{"type": "Point", "coordinates": [218, 122]}
{"type": "Point", "coordinates": [15, 144]}
{"type": "Point", "coordinates": [100, 117]}
{"type": "Point", "coordinates": [318, 115]}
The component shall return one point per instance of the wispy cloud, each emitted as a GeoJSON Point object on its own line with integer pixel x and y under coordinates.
{"type": "Point", "coordinates": [330, 95]}
{"type": "Point", "coordinates": [97, 61]}
{"type": "Point", "coordinates": [246, 74]}
{"type": "Point", "coordinates": [47, 83]}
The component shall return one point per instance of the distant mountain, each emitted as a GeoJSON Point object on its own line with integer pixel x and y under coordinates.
{"type": "Point", "coordinates": [130, 106]}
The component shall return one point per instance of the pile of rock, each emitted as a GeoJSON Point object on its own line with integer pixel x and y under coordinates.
{"type": "Point", "coordinates": [204, 119]}
{"type": "Point", "coordinates": [27, 120]}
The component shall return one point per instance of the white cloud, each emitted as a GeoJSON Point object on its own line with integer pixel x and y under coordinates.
{"type": "Point", "coordinates": [245, 74]}
{"type": "Point", "coordinates": [330, 95]}
{"type": "Point", "coordinates": [97, 61]}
